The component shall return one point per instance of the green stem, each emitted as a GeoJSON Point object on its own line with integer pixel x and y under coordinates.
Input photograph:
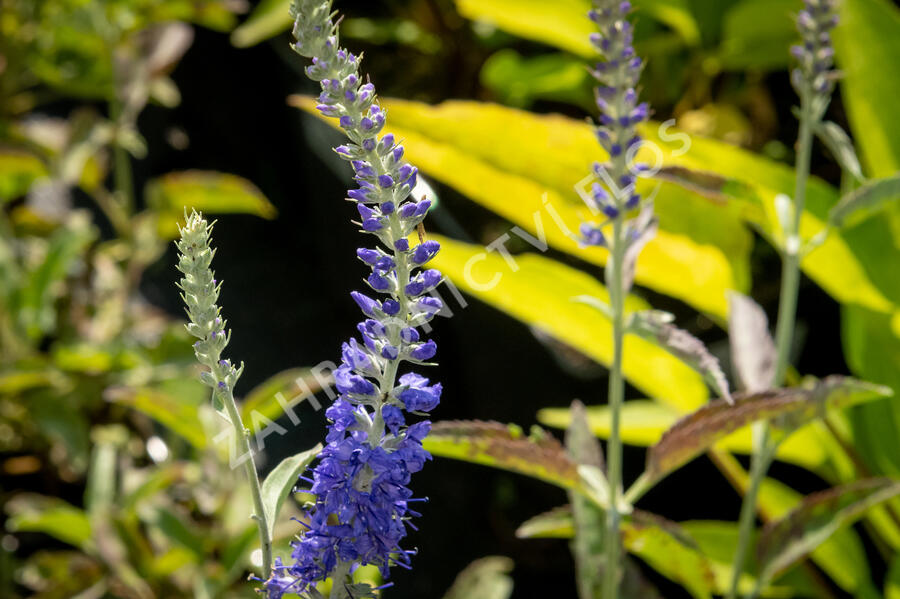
{"type": "Point", "coordinates": [339, 581]}
{"type": "Point", "coordinates": [763, 448]}
{"type": "Point", "coordinates": [615, 285]}
{"type": "Point", "coordinates": [242, 439]}
{"type": "Point", "coordinates": [759, 464]}
{"type": "Point", "coordinates": [639, 488]}
{"type": "Point", "coordinates": [124, 182]}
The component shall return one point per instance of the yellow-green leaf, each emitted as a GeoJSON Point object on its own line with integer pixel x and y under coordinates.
{"type": "Point", "coordinates": [561, 23]}
{"type": "Point", "coordinates": [505, 447]}
{"type": "Point", "coordinates": [205, 191]}
{"type": "Point", "coordinates": [717, 541]}
{"type": "Point", "coordinates": [550, 287]}
{"type": "Point", "coordinates": [268, 19]}
{"type": "Point", "coordinates": [18, 170]}
{"type": "Point", "coordinates": [176, 412]}
{"type": "Point", "coordinates": [279, 393]}
{"type": "Point", "coordinates": [670, 551]}
{"type": "Point", "coordinates": [530, 178]}
{"type": "Point", "coordinates": [664, 545]}
{"type": "Point", "coordinates": [871, 79]}
{"type": "Point", "coordinates": [892, 584]}
{"type": "Point", "coordinates": [564, 23]}
{"type": "Point", "coordinates": [55, 517]}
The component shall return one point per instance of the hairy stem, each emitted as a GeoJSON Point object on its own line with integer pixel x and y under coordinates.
{"type": "Point", "coordinates": [763, 449]}
{"type": "Point", "coordinates": [616, 396]}
{"type": "Point", "coordinates": [242, 439]}
{"type": "Point", "coordinates": [339, 581]}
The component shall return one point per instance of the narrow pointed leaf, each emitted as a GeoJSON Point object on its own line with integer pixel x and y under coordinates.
{"type": "Point", "coordinates": [717, 540]}
{"type": "Point", "coordinates": [580, 441]}
{"type": "Point", "coordinates": [268, 19]}
{"type": "Point", "coordinates": [786, 541]}
{"type": "Point", "coordinates": [841, 147]}
{"type": "Point", "coordinates": [644, 422]}
{"type": "Point", "coordinates": [281, 480]}
{"type": "Point", "coordinates": [207, 191]}
{"type": "Point", "coordinates": [786, 409]}
{"type": "Point", "coordinates": [842, 557]}
{"type": "Point", "coordinates": [485, 578]}
{"type": "Point", "coordinates": [752, 347]}
{"type": "Point", "coordinates": [51, 516]}
{"type": "Point", "coordinates": [590, 520]}
{"type": "Point", "coordinates": [175, 412]}
{"type": "Point", "coordinates": [558, 523]}
{"type": "Point", "coordinates": [865, 201]}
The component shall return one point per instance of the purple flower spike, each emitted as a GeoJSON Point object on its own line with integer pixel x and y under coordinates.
{"type": "Point", "coordinates": [361, 513]}
{"type": "Point", "coordinates": [815, 73]}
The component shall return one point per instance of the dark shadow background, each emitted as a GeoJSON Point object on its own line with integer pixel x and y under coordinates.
{"type": "Point", "coordinates": [287, 284]}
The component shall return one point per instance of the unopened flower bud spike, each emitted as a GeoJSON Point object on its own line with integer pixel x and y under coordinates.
{"type": "Point", "coordinates": [200, 292]}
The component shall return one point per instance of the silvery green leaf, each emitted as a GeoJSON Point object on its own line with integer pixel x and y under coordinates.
{"type": "Point", "coordinates": [862, 203]}
{"type": "Point", "coordinates": [841, 147]}
{"type": "Point", "coordinates": [281, 480]}
{"type": "Point", "coordinates": [580, 441]}
{"type": "Point", "coordinates": [218, 404]}
{"type": "Point", "coordinates": [655, 326]}
{"type": "Point", "coordinates": [752, 347]}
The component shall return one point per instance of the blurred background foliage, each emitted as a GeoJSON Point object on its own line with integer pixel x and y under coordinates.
{"type": "Point", "coordinates": [116, 114]}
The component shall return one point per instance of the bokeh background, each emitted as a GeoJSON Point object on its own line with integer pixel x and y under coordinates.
{"type": "Point", "coordinates": [287, 277]}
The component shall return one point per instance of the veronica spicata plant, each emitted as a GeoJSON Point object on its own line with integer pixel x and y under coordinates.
{"type": "Point", "coordinates": [614, 196]}
{"type": "Point", "coordinates": [362, 502]}
{"type": "Point", "coordinates": [813, 79]}
{"type": "Point", "coordinates": [200, 292]}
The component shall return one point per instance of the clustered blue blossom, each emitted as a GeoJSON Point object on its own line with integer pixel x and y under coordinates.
{"type": "Point", "coordinates": [362, 502]}
{"type": "Point", "coordinates": [816, 55]}
{"type": "Point", "coordinates": [620, 113]}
